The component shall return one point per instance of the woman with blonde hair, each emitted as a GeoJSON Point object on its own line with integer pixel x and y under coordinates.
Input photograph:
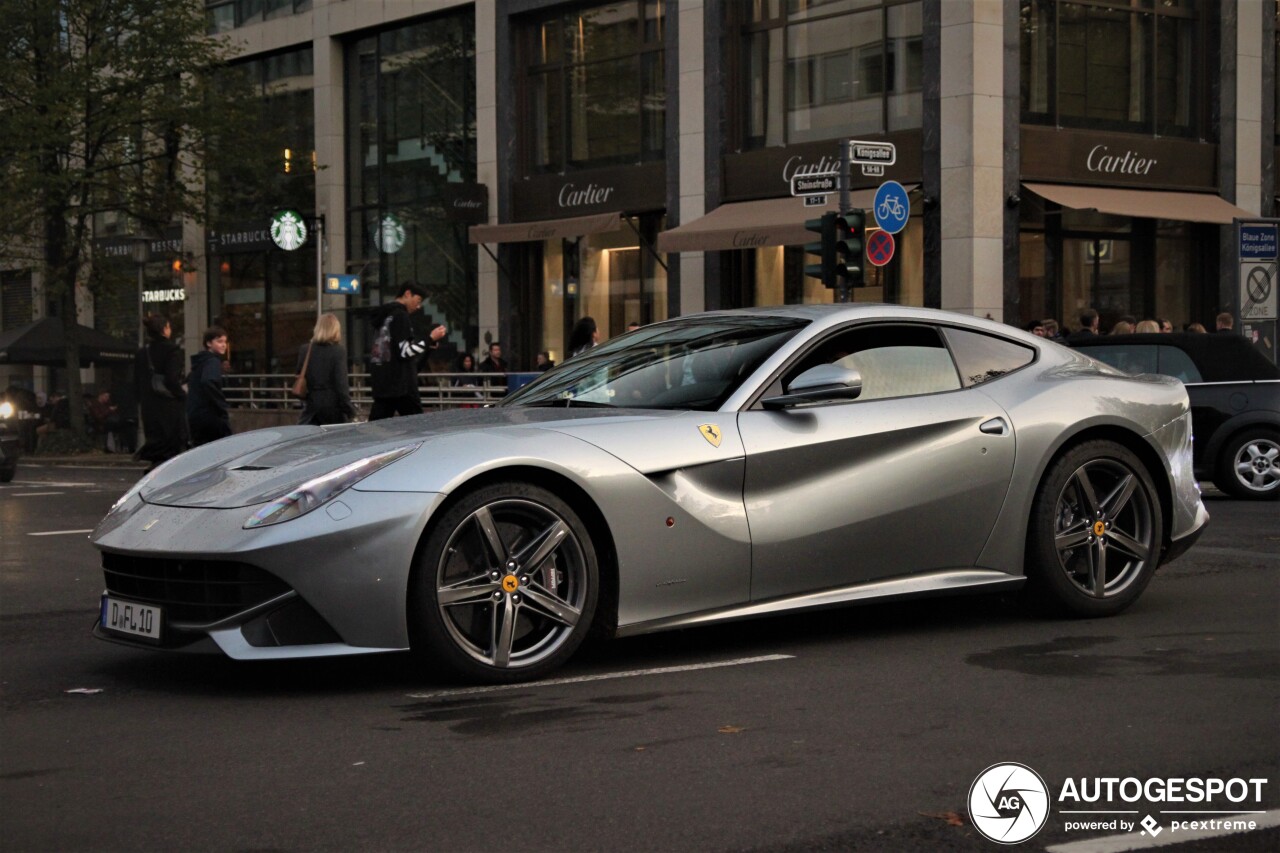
{"type": "Point", "coordinates": [324, 360]}
{"type": "Point", "coordinates": [1148, 327]}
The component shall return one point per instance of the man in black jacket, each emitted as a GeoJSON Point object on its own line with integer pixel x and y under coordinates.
{"type": "Point", "coordinates": [207, 411]}
{"type": "Point", "coordinates": [393, 368]}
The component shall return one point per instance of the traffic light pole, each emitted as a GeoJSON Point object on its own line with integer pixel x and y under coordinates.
{"type": "Point", "coordinates": [842, 286]}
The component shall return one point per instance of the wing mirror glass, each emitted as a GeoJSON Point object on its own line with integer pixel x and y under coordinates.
{"type": "Point", "coordinates": [820, 383]}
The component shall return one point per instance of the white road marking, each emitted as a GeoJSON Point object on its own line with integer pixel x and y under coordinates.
{"type": "Point", "coordinates": [35, 494]}
{"type": "Point", "coordinates": [1137, 841]}
{"type": "Point", "coordinates": [60, 532]}
{"type": "Point", "coordinates": [606, 676]}
{"type": "Point", "coordinates": [51, 484]}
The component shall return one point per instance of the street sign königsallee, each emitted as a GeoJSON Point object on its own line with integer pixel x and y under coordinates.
{"type": "Point", "coordinates": [828, 182]}
{"type": "Point", "coordinates": [883, 153]}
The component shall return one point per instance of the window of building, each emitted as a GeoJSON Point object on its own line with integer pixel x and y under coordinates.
{"type": "Point", "coordinates": [410, 134]}
{"type": "Point", "coordinates": [263, 296]}
{"type": "Point", "coordinates": [594, 86]}
{"type": "Point", "coordinates": [226, 15]}
{"type": "Point", "coordinates": [820, 69]}
{"type": "Point", "coordinates": [1134, 67]}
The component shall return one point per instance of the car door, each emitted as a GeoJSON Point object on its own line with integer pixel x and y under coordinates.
{"type": "Point", "coordinates": [907, 478]}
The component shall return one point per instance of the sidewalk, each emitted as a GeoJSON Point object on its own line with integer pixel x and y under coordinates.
{"type": "Point", "coordinates": [84, 460]}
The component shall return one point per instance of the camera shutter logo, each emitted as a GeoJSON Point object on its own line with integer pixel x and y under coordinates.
{"type": "Point", "coordinates": [1008, 803]}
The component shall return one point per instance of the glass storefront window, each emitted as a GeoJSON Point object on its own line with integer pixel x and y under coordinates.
{"type": "Point", "coordinates": [411, 133]}
{"type": "Point", "coordinates": [596, 86]}
{"type": "Point", "coordinates": [1098, 64]}
{"type": "Point", "coordinates": [608, 277]}
{"type": "Point", "coordinates": [821, 70]}
{"type": "Point", "coordinates": [258, 292]}
{"type": "Point", "coordinates": [777, 275]}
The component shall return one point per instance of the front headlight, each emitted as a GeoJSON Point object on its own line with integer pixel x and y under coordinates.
{"type": "Point", "coordinates": [6, 410]}
{"type": "Point", "coordinates": [313, 493]}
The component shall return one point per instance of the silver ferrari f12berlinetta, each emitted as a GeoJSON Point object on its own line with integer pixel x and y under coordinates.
{"type": "Point", "coordinates": [712, 467]}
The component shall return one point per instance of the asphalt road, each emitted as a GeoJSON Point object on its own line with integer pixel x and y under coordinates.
{"type": "Point", "coordinates": [852, 729]}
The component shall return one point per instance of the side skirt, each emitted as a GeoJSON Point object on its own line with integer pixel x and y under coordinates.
{"type": "Point", "coordinates": [915, 586]}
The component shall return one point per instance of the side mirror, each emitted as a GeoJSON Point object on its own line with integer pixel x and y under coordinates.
{"type": "Point", "coordinates": [821, 383]}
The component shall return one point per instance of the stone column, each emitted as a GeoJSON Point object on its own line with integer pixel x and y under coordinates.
{"type": "Point", "coordinates": [331, 174]}
{"type": "Point", "coordinates": [1249, 105]}
{"type": "Point", "coordinates": [972, 154]}
{"type": "Point", "coordinates": [693, 177]}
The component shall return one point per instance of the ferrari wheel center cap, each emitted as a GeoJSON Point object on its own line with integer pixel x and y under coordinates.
{"type": "Point", "coordinates": [1099, 528]}
{"type": "Point", "coordinates": [510, 583]}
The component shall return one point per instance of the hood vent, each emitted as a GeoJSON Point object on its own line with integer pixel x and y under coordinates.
{"type": "Point", "coordinates": [254, 468]}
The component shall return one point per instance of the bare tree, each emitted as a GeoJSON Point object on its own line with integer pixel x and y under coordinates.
{"type": "Point", "coordinates": [105, 106]}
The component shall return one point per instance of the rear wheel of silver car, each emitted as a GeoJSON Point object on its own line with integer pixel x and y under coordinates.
{"type": "Point", "coordinates": [506, 585]}
{"type": "Point", "coordinates": [1095, 532]}
{"type": "Point", "coordinates": [1249, 465]}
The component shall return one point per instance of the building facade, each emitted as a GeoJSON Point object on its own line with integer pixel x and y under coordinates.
{"type": "Point", "coordinates": [534, 162]}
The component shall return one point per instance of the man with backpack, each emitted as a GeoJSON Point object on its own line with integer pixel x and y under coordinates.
{"type": "Point", "coordinates": [393, 366]}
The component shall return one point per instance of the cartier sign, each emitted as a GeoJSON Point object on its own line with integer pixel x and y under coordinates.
{"type": "Point", "coordinates": [767, 172]}
{"type": "Point", "coordinates": [623, 189]}
{"type": "Point", "coordinates": [1088, 157]}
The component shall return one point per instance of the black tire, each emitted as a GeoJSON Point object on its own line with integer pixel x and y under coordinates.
{"type": "Point", "coordinates": [1098, 487]}
{"type": "Point", "coordinates": [1249, 465]}
{"type": "Point", "coordinates": [506, 585]}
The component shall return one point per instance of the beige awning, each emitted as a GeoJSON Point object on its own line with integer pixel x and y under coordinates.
{"type": "Point", "coordinates": [1149, 204]}
{"type": "Point", "coordinates": [752, 224]}
{"type": "Point", "coordinates": [545, 229]}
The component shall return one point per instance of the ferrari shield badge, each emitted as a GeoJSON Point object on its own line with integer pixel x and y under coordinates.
{"type": "Point", "coordinates": [711, 433]}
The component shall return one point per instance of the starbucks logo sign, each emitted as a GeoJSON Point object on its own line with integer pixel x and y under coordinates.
{"type": "Point", "coordinates": [390, 235]}
{"type": "Point", "coordinates": [288, 231]}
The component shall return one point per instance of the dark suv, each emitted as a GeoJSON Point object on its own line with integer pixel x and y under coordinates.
{"type": "Point", "coordinates": [1235, 402]}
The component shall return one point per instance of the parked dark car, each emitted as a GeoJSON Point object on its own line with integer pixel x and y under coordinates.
{"type": "Point", "coordinates": [1235, 402]}
{"type": "Point", "coordinates": [10, 440]}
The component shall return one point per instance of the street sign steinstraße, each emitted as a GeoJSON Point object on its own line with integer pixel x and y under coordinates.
{"type": "Point", "coordinates": [821, 184]}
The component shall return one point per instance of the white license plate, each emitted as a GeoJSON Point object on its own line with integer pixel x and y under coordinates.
{"type": "Point", "coordinates": [130, 617]}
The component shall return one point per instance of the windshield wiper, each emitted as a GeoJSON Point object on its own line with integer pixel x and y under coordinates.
{"type": "Point", "coordinates": [569, 403]}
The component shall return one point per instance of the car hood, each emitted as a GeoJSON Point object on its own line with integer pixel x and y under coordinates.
{"type": "Point", "coordinates": [255, 467]}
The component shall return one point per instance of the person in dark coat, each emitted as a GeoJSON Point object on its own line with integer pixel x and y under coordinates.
{"type": "Point", "coordinates": [584, 336]}
{"type": "Point", "coordinates": [164, 418]}
{"type": "Point", "coordinates": [328, 399]}
{"type": "Point", "coordinates": [393, 368]}
{"type": "Point", "coordinates": [207, 409]}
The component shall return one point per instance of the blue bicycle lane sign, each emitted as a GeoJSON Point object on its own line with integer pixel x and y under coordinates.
{"type": "Point", "coordinates": [891, 207]}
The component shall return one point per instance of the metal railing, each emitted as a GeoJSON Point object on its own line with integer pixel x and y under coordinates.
{"type": "Point", "coordinates": [268, 391]}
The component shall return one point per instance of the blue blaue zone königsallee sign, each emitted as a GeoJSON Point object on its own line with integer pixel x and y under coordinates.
{"type": "Point", "coordinates": [1258, 242]}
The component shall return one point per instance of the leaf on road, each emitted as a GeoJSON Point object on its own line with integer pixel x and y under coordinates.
{"type": "Point", "coordinates": [951, 818]}
{"type": "Point", "coordinates": [731, 730]}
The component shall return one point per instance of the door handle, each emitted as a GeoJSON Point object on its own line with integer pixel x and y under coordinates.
{"type": "Point", "coordinates": [995, 426]}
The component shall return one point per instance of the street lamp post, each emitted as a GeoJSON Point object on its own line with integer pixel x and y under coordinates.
{"type": "Point", "coordinates": [141, 247]}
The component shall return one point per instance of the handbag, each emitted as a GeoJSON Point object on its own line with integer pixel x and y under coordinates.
{"type": "Point", "coordinates": [299, 388]}
{"type": "Point", "coordinates": [157, 380]}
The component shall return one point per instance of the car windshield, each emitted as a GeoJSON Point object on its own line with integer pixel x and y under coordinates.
{"type": "Point", "coordinates": [683, 364]}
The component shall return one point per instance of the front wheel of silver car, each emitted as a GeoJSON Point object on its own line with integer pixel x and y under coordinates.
{"type": "Point", "coordinates": [506, 584]}
{"type": "Point", "coordinates": [1095, 534]}
{"type": "Point", "coordinates": [1249, 465]}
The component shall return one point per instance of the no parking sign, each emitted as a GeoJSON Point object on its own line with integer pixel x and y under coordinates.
{"type": "Point", "coordinates": [880, 245]}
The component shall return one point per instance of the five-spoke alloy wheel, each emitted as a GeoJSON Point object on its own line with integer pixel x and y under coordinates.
{"type": "Point", "coordinates": [506, 585]}
{"type": "Point", "coordinates": [1095, 533]}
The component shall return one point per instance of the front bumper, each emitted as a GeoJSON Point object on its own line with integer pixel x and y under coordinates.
{"type": "Point", "coordinates": [331, 582]}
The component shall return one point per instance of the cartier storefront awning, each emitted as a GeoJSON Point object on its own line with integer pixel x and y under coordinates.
{"type": "Point", "coordinates": [753, 224]}
{"type": "Point", "coordinates": [546, 229]}
{"type": "Point", "coordinates": [1148, 204]}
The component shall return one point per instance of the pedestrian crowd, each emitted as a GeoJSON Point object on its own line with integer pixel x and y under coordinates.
{"type": "Point", "coordinates": [1090, 322]}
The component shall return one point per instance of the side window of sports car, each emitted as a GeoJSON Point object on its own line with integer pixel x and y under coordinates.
{"type": "Point", "coordinates": [982, 358]}
{"type": "Point", "coordinates": [894, 360]}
